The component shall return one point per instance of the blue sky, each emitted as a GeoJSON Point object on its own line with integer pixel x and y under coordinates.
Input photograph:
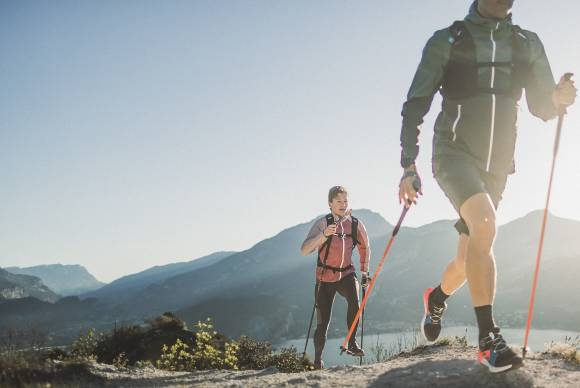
{"type": "Point", "coordinates": [139, 133]}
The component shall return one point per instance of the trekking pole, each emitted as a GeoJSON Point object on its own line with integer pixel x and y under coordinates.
{"type": "Point", "coordinates": [561, 114]}
{"type": "Point", "coordinates": [343, 348]}
{"type": "Point", "coordinates": [327, 242]}
{"type": "Point", "coordinates": [362, 327]}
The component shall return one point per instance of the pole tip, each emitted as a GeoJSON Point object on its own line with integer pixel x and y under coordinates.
{"type": "Point", "coordinates": [525, 351]}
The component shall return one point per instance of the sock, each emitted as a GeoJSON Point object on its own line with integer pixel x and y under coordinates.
{"type": "Point", "coordinates": [438, 296]}
{"type": "Point", "coordinates": [484, 320]}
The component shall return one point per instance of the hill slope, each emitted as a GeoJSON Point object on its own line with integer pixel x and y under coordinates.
{"type": "Point", "coordinates": [65, 280]}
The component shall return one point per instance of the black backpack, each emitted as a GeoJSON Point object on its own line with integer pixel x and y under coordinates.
{"type": "Point", "coordinates": [460, 79]}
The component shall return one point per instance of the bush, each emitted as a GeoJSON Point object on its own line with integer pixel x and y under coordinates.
{"type": "Point", "coordinates": [253, 354]}
{"type": "Point", "coordinates": [167, 321]}
{"type": "Point", "coordinates": [176, 358]}
{"type": "Point", "coordinates": [569, 350]}
{"type": "Point", "coordinates": [206, 354]}
{"type": "Point", "coordinates": [288, 361]}
{"type": "Point", "coordinates": [26, 370]}
{"type": "Point", "coordinates": [120, 361]}
{"type": "Point", "coordinates": [143, 343]}
{"type": "Point", "coordinates": [85, 346]}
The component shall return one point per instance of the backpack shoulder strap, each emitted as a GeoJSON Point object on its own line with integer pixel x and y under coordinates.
{"type": "Point", "coordinates": [457, 32]}
{"type": "Point", "coordinates": [329, 221]}
{"type": "Point", "coordinates": [354, 231]}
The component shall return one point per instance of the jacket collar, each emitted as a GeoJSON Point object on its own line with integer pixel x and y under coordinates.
{"type": "Point", "coordinates": [489, 23]}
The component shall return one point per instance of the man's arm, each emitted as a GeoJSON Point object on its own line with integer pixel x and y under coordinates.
{"type": "Point", "coordinates": [426, 82]}
{"type": "Point", "coordinates": [540, 83]}
{"type": "Point", "coordinates": [315, 238]}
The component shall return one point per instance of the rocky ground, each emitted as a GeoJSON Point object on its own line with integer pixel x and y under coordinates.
{"type": "Point", "coordinates": [433, 366]}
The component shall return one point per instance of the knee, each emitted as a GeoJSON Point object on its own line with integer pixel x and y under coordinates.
{"type": "Point", "coordinates": [482, 231]}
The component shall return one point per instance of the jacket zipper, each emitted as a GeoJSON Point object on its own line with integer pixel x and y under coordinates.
{"type": "Point", "coordinates": [492, 129]}
{"type": "Point", "coordinates": [454, 128]}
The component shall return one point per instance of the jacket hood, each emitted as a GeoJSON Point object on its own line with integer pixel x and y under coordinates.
{"type": "Point", "coordinates": [476, 18]}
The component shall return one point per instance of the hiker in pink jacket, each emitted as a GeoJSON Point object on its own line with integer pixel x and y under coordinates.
{"type": "Point", "coordinates": [335, 237]}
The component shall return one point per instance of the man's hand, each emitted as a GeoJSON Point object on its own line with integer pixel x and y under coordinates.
{"type": "Point", "coordinates": [330, 230]}
{"type": "Point", "coordinates": [408, 193]}
{"type": "Point", "coordinates": [365, 280]}
{"type": "Point", "coordinates": [565, 93]}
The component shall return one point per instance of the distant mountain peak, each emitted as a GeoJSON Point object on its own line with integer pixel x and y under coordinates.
{"type": "Point", "coordinates": [65, 279]}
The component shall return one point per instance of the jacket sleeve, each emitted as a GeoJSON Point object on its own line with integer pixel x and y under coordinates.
{"type": "Point", "coordinates": [426, 82]}
{"type": "Point", "coordinates": [364, 247]}
{"type": "Point", "coordinates": [315, 238]}
{"type": "Point", "coordinates": [540, 81]}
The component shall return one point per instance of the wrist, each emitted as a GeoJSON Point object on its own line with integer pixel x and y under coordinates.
{"type": "Point", "coordinates": [409, 173]}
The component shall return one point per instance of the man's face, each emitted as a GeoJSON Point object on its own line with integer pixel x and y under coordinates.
{"type": "Point", "coordinates": [339, 204]}
{"type": "Point", "coordinates": [498, 9]}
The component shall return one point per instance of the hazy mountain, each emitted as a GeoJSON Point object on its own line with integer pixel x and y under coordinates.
{"type": "Point", "coordinates": [131, 286]}
{"type": "Point", "coordinates": [276, 301]}
{"type": "Point", "coordinates": [239, 274]}
{"type": "Point", "coordinates": [63, 279]}
{"type": "Point", "coordinates": [62, 320]}
{"type": "Point", "coordinates": [13, 286]}
{"type": "Point", "coordinates": [267, 291]}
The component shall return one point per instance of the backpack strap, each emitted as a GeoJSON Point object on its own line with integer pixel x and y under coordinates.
{"type": "Point", "coordinates": [354, 231]}
{"type": "Point", "coordinates": [457, 31]}
{"type": "Point", "coordinates": [329, 221]}
{"type": "Point", "coordinates": [460, 77]}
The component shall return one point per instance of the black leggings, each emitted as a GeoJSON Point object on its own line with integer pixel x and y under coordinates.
{"type": "Point", "coordinates": [348, 288]}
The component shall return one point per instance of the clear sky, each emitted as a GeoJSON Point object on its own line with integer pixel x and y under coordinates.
{"type": "Point", "coordinates": [139, 133]}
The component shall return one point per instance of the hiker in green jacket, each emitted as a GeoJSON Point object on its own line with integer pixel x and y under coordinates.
{"type": "Point", "coordinates": [480, 65]}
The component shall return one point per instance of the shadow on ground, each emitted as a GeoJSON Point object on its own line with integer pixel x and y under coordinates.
{"type": "Point", "coordinates": [452, 373]}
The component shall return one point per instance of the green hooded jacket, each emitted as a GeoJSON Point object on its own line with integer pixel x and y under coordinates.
{"type": "Point", "coordinates": [480, 128]}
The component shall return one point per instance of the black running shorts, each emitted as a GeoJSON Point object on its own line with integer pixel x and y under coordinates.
{"type": "Point", "coordinates": [460, 179]}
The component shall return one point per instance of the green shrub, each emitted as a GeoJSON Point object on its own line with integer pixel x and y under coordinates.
{"type": "Point", "coordinates": [167, 322]}
{"type": "Point", "coordinates": [120, 361]}
{"type": "Point", "coordinates": [253, 354]}
{"type": "Point", "coordinates": [85, 346]}
{"type": "Point", "coordinates": [288, 361]}
{"type": "Point", "coordinates": [176, 358]}
{"type": "Point", "coordinates": [206, 354]}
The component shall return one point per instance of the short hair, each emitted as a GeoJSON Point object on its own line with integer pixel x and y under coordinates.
{"type": "Point", "coordinates": [334, 191]}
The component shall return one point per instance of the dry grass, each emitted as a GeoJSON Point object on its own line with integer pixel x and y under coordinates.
{"type": "Point", "coordinates": [568, 350]}
{"type": "Point", "coordinates": [410, 344]}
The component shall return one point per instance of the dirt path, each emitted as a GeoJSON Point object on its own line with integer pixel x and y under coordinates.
{"type": "Point", "coordinates": [451, 366]}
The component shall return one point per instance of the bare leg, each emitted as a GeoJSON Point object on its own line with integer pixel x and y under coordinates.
{"type": "Point", "coordinates": [454, 275]}
{"type": "Point", "coordinates": [479, 214]}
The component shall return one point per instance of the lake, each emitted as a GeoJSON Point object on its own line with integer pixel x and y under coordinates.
{"type": "Point", "coordinates": [392, 342]}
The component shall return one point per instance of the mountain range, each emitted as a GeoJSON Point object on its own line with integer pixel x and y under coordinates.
{"type": "Point", "coordinates": [267, 291]}
{"type": "Point", "coordinates": [14, 286]}
{"type": "Point", "coordinates": [64, 280]}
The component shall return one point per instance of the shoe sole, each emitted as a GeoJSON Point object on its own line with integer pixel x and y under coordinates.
{"type": "Point", "coordinates": [499, 369]}
{"type": "Point", "coordinates": [426, 308]}
{"type": "Point", "coordinates": [353, 354]}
